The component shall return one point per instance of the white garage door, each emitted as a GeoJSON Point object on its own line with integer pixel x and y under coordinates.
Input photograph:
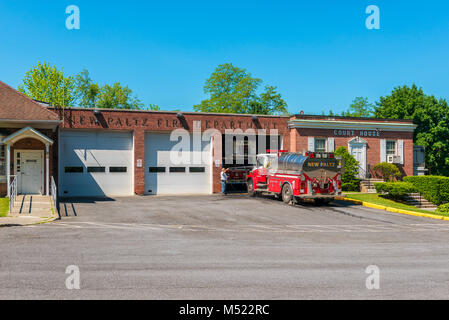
{"type": "Point", "coordinates": [94, 163]}
{"type": "Point", "coordinates": [164, 177]}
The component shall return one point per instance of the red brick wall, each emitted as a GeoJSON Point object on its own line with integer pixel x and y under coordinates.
{"type": "Point", "coordinates": [373, 147]}
{"type": "Point", "coordinates": [146, 121]}
{"type": "Point", "coordinates": [3, 191]}
{"type": "Point", "coordinates": [295, 140]}
{"type": "Point", "coordinates": [139, 154]}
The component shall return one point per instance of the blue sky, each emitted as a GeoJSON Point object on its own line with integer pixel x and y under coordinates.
{"type": "Point", "coordinates": [320, 55]}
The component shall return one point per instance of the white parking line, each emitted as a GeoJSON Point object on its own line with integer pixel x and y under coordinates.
{"type": "Point", "coordinates": [367, 228]}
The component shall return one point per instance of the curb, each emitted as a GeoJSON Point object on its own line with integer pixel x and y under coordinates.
{"type": "Point", "coordinates": [401, 211]}
{"type": "Point", "coordinates": [42, 221]}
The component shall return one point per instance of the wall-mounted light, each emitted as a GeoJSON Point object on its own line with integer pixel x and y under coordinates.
{"type": "Point", "coordinates": [97, 113]}
{"type": "Point", "coordinates": [255, 118]}
{"type": "Point", "coordinates": [180, 115]}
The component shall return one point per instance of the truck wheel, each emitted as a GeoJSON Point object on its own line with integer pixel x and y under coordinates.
{"type": "Point", "coordinates": [251, 191]}
{"type": "Point", "coordinates": [287, 193]}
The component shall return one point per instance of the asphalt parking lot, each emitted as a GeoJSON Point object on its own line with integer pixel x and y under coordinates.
{"type": "Point", "coordinates": [214, 247]}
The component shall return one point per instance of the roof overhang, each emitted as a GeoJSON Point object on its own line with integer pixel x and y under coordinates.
{"type": "Point", "coordinates": [355, 125]}
{"type": "Point", "coordinates": [27, 132]}
{"type": "Point", "coordinates": [41, 124]}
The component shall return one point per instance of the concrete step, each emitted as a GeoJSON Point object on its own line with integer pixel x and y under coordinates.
{"type": "Point", "coordinates": [417, 203]}
{"type": "Point", "coordinates": [32, 205]}
{"type": "Point", "coordinates": [423, 205]}
{"type": "Point", "coordinates": [371, 181]}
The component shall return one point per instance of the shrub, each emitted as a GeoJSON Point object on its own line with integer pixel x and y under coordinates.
{"type": "Point", "coordinates": [444, 208]}
{"type": "Point", "coordinates": [387, 171]}
{"type": "Point", "coordinates": [351, 169]}
{"type": "Point", "coordinates": [350, 186]}
{"type": "Point", "coordinates": [396, 190]}
{"type": "Point", "coordinates": [433, 188]}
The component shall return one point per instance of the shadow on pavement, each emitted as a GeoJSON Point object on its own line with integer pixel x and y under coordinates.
{"type": "Point", "coordinates": [67, 205]}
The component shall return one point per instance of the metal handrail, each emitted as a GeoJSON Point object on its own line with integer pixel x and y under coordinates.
{"type": "Point", "coordinates": [12, 193]}
{"type": "Point", "coordinates": [54, 194]}
{"type": "Point", "coordinates": [362, 172]}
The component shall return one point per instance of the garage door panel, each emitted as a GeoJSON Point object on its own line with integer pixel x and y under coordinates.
{"type": "Point", "coordinates": [158, 155]}
{"type": "Point", "coordinates": [96, 150]}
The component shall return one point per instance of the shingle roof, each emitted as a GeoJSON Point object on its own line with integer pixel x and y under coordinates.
{"type": "Point", "coordinates": [16, 106]}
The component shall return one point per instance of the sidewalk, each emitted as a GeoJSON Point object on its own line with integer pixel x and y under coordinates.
{"type": "Point", "coordinates": [23, 221]}
{"type": "Point", "coordinates": [29, 210]}
{"type": "Point", "coordinates": [395, 210]}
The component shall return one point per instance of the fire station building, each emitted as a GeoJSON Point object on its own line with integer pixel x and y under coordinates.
{"type": "Point", "coordinates": [92, 152]}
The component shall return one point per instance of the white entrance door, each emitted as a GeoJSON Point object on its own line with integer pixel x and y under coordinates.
{"type": "Point", "coordinates": [359, 153]}
{"type": "Point", "coordinates": [30, 172]}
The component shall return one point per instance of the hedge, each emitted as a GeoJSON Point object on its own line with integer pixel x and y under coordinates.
{"type": "Point", "coordinates": [444, 208]}
{"type": "Point", "coordinates": [387, 171]}
{"type": "Point", "coordinates": [433, 188]}
{"type": "Point", "coordinates": [397, 190]}
{"type": "Point", "coordinates": [351, 186]}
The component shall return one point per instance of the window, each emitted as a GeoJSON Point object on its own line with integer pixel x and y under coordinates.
{"type": "Point", "coordinates": [320, 145]}
{"type": "Point", "coordinates": [197, 169]}
{"type": "Point", "coordinates": [177, 169]}
{"type": "Point", "coordinates": [157, 169]}
{"type": "Point", "coordinates": [391, 148]}
{"type": "Point", "coordinates": [118, 169]}
{"type": "Point", "coordinates": [96, 169]}
{"type": "Point", "coordinates": [18, 163]}
{"type": "Point", "coordinates": [2, 160]}
{"type": "Point", "coordinates": [73, 170]}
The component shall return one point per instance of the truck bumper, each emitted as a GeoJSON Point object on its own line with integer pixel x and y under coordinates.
{"type": "Point", "coordinates": [317, 196]}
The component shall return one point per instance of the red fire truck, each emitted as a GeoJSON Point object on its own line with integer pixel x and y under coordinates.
{"type": "Point", "coordinates": [293, 177]}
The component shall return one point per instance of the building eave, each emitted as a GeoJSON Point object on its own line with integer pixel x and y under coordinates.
{"type": "Point", "coordinates": [40, 124]}
{"type": "Point", "coordinates": [355, 125]}
{"type": "Point", "coordinates": [27, 132]}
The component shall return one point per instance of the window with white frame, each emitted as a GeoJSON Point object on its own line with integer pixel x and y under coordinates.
{"type": "Point", "coordinates": [391, 148]}
{"type": "Point", "coordinates": [320, 145]}
{"type": "Point", "coordinates": [2, 160]}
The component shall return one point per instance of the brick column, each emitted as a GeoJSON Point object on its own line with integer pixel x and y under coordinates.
{"type": "Point", "coordinates": [139, 156]}
{"type": "Point", "coordinates": [293, 146]}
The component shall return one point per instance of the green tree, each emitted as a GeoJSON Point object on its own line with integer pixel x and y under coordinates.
{"type": "Point", "coordinates": [234, 90]}
{"type": "Point", "coordinates": [387, 171]}
{"type": "Point", "coordinates": [91, 95]}
{"type": "Point", "coordinates": [360, 107]}
{"type": "Point", "coordinates": [46, 83]}
{"type": "Point", "coordinates": [351, 169]}
{"type": "Point", "coordinates": [153, 107]}
{"type": "Point", "coordinates": [117, 97]}
{"type": "Point", "coordinates": [87, 92]}
{"type": "Point", "coordinates": [431, 115]}
{"type": "Point", "coordinates": [269, 102]}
